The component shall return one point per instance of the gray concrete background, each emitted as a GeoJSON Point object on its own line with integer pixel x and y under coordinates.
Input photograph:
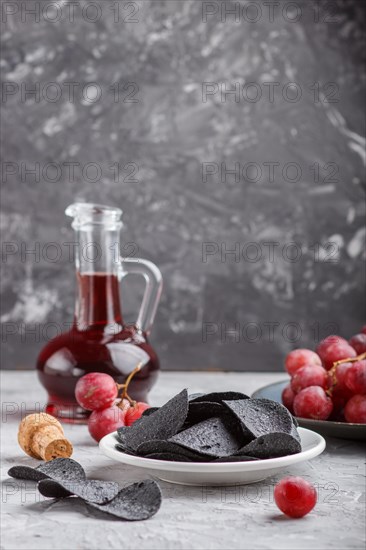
{"type": "Point", "coordinates": [122, 84]}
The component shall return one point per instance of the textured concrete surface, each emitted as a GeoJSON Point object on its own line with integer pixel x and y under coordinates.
{"type": "Point", "coordinates": [162, 133]}
{"type": "Point", "coordinates": [190, 517]}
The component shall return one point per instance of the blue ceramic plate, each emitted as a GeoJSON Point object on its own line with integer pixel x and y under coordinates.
{"type": "Point", "coordinates": [325, 427]}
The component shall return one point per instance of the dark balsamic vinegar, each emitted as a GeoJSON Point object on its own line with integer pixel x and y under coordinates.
{"type": "Point", "coordinates": [98, 342]}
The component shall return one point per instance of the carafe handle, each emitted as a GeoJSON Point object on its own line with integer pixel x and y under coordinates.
{"type": "Point", "coordinates": [153, 288]}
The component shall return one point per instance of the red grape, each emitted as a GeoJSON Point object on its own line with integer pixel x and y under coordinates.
{"type": "Point", "coordinates": [337, 413]}
{"type": "Point", "coordinates": [355, 410]}
{"type": "Point", "coordinates": [96, 390]}
{"type": "Point", "coordinates": [295, 496]}
{"type": "Point", "coordinates": [339, 392]}
{"type": "Point", "coordinates": [336, 378]}
{"type": "Point", "coordinates": [133, 413]}
{"type": "Point", "coordinates": [105, 421]}
{"type": "Point", "coordinates": [363, 330]}
{"type": "Point", "coordinates": [288, 398]}
{"type": "Point", "coordinates": [313, 402]}
{"type": "Point", "coordinates": [355, 377]}
{"type": "Point", "coordinates": [340, 397]}
{"type": "Point", "coordinates": [358, 342]}
{"type": "Point", "coordinates": [309, 375]}
{"type": "Point", "coordinates": [300, 357]}
{"type": "Point", "coordinates": [336, 385]}
{"type": "Point", "coordinates": [334, 348]}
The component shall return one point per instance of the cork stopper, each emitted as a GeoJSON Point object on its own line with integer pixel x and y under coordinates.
{"type": "Point", "coordinates": [42, 436]}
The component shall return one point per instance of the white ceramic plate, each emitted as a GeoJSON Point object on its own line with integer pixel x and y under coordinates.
{"type": "Point", "coordinates": [222, 473]}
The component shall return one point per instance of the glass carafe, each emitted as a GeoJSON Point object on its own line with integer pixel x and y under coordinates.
{"type": "Point", "coordinates": [99, 340]}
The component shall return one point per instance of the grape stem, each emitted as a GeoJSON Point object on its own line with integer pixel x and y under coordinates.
{"type": "Point", "coordinates": [124, 387]}
{"type": "Point", "coordinates": [349, 360]}
{"type": "Point", "coordinates": [332, 371]}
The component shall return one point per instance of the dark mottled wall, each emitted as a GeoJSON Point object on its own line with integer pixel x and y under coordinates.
{"type": "Point", "coordinates": [122, 84]}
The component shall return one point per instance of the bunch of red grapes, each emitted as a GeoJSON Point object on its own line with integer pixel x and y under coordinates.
{"type": "Point", "coordinates": [329, 383]}
{"type": "Point", "coordinates": [98, 392]}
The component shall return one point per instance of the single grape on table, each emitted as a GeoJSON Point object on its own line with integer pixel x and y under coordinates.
{"type": "Point", "coordinates": [295, 496]}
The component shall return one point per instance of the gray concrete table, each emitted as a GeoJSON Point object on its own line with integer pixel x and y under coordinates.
{"type": "Point", "coordinates": [190, 517]}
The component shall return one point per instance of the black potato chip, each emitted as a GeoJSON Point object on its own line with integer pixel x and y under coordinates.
{"type": "Point", "coordinates": [261, 416]}
{"type": "Point", "coordinates": [161, 446]}
{"type": "Point", "coordinates": [193, 396]}
{"type": "Point", "coordinates": [149, 411]}
{"type": "Point", "coordinates": [271, 445]}
{"type": "Point", "coordinates": [201, 410]}
{"type": "Point", "coordinates": [295, 433]}
{"type": "Point", "coordinates": [27, 473]}
{"type": "Point", "coordinates": [122, 449]}
{"type": "Point", "coordinates": [212, 427]}
{"type": "Point", "coordinates": [217, 397]}
{"type": "Point", "coordinates": [63, 477]}
{"type": "Point", "coordinates": [135, 502]}
{"type": "Point", "coordinates": [92, 490]}
{"type": "Point", "coordinates": [213, 437]}
{"type": "Point", "coordinates": [59, 468]}
{"type": "Point", "coordinates": [161, 424]}
{"type": "Point", "coordinates": [120, 435]}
